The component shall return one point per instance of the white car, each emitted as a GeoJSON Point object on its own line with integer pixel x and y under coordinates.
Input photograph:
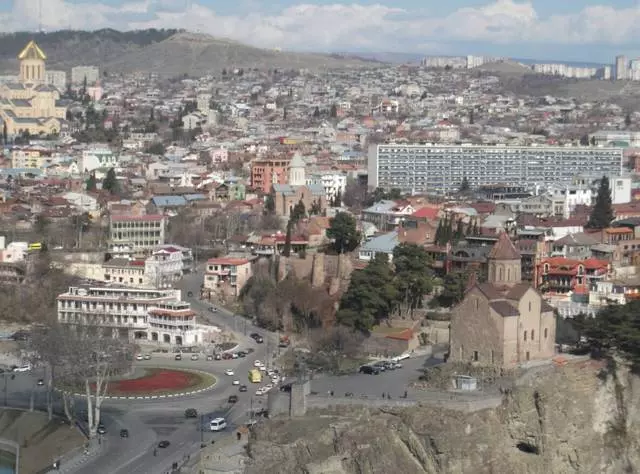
{"type": "Point", "coordinates": [229, 372]}
{"type": "Point", "coordinates": [22, 368]}
{"type": "Point", "coordinates": [257, 363]}
{"type": "Point", "coordinates": [139, 357]}
{"type": "Point", "coordinates": [235, 382]}
{"type": "Point", "coordinates": [271, 372]}
{"type": "Point", "coordinates": [260, 391]}
{"type": "Point", "coordinates": [268, 387]}
{"type": "Point", "coordinates": [275, 379]}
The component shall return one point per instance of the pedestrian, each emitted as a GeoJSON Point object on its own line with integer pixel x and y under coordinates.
{"type": "Point", "coordinates": [331, 393]}
{"type": "Point", "coordinates": [155, 452]}
{"type": "Point", "coordinates": [405, 394]}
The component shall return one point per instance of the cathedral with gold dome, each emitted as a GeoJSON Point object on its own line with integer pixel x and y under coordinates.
{"type": "Point", "coordinates": [31, 105]}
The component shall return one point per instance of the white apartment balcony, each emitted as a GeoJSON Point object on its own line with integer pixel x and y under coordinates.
{"type": "Point", "coordinates": [102, 322]}
{"type": "Point", "coordinates": [172, 322]}
{"type": "Point", "coordinates": [220, 272]}
{"type": "Point", "coordinates": [98, 310]}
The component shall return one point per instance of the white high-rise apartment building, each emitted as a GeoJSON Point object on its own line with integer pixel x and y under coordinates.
{"type": "Point", "coordinates": [78, 73]}
{"type": "Point", "coordinates": [622, 66]}
{"type": "Point", "coordinates": [439, 169]}
{"type": "Point", "coordinates": [131, 313]}
{"type": "Point", "coordinates": [57, 79]}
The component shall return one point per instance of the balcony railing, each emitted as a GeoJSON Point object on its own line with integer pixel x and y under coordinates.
{"type": "Point", "coordinates": [98, 311]}
{"type": "Point", "coordinates": [165, 322]}
{"type": "Point", "coordinates": [101, 323]}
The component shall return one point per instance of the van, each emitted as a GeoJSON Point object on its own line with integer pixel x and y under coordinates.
{"type": "Point", "coordinates": [217, 424]}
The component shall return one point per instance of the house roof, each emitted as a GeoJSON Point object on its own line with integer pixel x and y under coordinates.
{"type": "Point", "coordinates": [163, 201]}
{"type": "Point", "coordinates": [504, 249]}
{"type": "Point", "coordinates": [147, 217]}
{"type": "Point", "coordinates": [227, 261]}
{"type": "Point", "coordinates": [426, 212]}
{"type": "Point", "coordinates": [517, 291]}
{"type": "Point", "coordinates": [578, 239]}
{"type": "Point", "coordinates": [504, 308]}
{"type": "Point", "coordinates": [382, 243]}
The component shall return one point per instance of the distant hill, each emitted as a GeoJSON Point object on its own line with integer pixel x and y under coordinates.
{"type": "Point", "coordinates": [166, 52]}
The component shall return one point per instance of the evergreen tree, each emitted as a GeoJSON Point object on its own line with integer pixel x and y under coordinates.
{"type": "Point", "coordinates": [464, 186]}
{"type": "Point", "coordinates": [5, 134]}
{"type": "Point", "coordinates": [439, 230]}
{"type": "Point", "coordinates": [344, 232]}
{"type": "Point", "coordinates": [286, 251]}
{"type": "Point", "coordinates": [602, 212]}
{"type": "Point", "coordinates": [459, 232]}
{"type": "Point", "coordinates": [91, 182]}
{"type": "Point", "coordinates": [284, 113]}
{"type": "Point", "coordinates": [627, 120]}
{"type": "Point", "coordinates": [334, 111]}
{"type": "Point", "coordinates": [298, 212]}
{"type": "Point", "coordinates": [315, 208]}
{"type": "Point", "coordinates": [110, 182]}
{"type": "Point", "coordinates": [270, 204]}
{"type": "Point", "coordinates": [476, 229]}
{"type": "Point", "coordinates": [337, 199]}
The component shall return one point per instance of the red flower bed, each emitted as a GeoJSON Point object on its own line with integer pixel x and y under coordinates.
{"type": "Point", "coordinates": [156, 380]}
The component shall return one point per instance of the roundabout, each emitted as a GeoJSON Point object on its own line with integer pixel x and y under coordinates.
{"type": "Point", "coordinates": [158, 382]}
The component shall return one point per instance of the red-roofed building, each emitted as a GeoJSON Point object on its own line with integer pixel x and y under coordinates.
{"type": "Point", "coordinates": [226, 276]}
{"type": "Point", "coordinates": [426, 213]}
{"type": "Point", "coordinates": [560, 275]}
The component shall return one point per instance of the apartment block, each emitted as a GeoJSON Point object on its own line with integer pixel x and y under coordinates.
{"type": "Point", "coordinates": [127, 233]}
{"type": "Point", "coordinates": [269, 171]}
{"type": "Point", "coordinates": [131, 313]}
{"type": "Point", "coordinates": [226, 275]}
{"type": "Point", "coordinates": [79, 73]}
{"type": "Point", "coordinates": [439, 169]}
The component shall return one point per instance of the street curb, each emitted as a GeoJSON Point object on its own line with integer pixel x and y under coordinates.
{"type": "Point", "coordinates": [169, 395]}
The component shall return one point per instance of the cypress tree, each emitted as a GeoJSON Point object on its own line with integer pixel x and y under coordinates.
{"type": "Point", "coordinates": [438, 239]}
{"type": "Point", "coordinates": [602, 212]}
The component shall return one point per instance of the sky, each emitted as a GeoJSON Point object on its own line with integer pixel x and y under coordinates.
{"type": "Point", "coordinates": [569, 30]}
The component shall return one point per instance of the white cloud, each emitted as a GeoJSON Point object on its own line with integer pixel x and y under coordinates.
{"type": "Point", "coordinates": [342, 26]}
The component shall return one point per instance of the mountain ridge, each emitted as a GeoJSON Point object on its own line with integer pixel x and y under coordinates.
{"type": "Point", "coordinates": [168, 52]}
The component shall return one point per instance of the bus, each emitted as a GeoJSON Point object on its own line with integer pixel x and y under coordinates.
{"type": "Point", "coordinates": [255, 376]}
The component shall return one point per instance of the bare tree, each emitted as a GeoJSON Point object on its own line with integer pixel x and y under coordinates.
{"type": "Point", "coordinates": [80, 359]}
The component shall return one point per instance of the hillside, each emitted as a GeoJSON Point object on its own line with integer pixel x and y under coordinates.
{"type": "Point", "coordinates": [166, 52]}
{"type": "Point", "coordinates": [580, 418]}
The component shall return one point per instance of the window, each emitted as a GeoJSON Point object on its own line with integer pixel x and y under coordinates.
{"type": "Point", "coordinates": [545, 332]}
{"type": "Point", "coordinates": [477, 303]}
{"type": "Point", "coordinates": [525, 335]}
{"type": "Point", "coordinates": [533, 335]}
{"type": "Point", "coordinates": [529, 306]}
{"type": "Point", "coordinates": [475, 356]}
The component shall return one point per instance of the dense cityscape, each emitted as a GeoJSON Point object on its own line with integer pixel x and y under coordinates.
{"type": "Point", "coordinates": [282, 270]}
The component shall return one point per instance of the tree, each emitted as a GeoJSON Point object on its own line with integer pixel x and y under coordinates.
{"type": "Point", "coordinates": [110, 182]}
{"type": "Point", "coordinates": [627, 120]}
{"type": "Point", "coordinates": [614, 330]}
{"type": "Point", "coordinates": [355, 194]}
{"type": "Point", "coordinates": [156, 148]}
{"type": "Point", "coordinates": [464, 186]}
{"type": "Point", "coordinates": [315, 208]}
{"type": "Point", "coordinates": [370, 297]}
{"type": "Point", "coordinates": [412, 274]}
{"type": "Point", "coordinates": [602, 212]}
{"type": "Point", "coordinates": [453, 288]}
{"type": "Point", "coordinates": [298, 212]}
{"type": "Point", "coordinates": [5, 135]}
{"type": "Point", "coordinates": [286, 251]}
{"type": "Point", "coordinates": [471, 117]}
{"type": "Point", "coordinates": [91, 184]}
{"type": "Point", "coordinates": [333, 113]}
{"type": "Point", "coordinates": [337, 199]}
{"type": "Point", "coordinates": [343, 232]}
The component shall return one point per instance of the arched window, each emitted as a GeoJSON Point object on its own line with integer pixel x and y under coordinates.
{"type": "Point", "coordinates": [525, 335]}
{"type": "Point", "coordinates": [533, 335]}
{"type": "Point", "coordinates": [546, 331]}
{"type": "Point", "coordinates": [500, 274]}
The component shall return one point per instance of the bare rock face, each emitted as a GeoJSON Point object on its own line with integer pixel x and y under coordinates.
{"type": "Point", "coordinates": [580, 418]}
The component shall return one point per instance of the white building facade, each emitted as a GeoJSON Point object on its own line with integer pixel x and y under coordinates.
{"type": "Point", "coordinates": [333, 183]}
{"type": "Point", "coordinates": [79, 73]}
{"type": "Point", "coordinates": [440, 169]}
{"type": "Point", "coordinates": [135, 314]}
{"type": "Point", "coordinates": [97, 157]}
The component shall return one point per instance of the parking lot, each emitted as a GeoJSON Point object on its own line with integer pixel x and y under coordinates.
{"type": "Point", "coordinates": [391, 383]}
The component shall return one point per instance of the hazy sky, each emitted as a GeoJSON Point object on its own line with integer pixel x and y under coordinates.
{"type": "Point", "coordinates": [580, 30]}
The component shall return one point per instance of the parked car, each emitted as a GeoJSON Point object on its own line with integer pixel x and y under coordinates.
{"type": "Point", "coordinates": [227, 356]}
{"type": "Point", "coordinates": [22, 368]}
{"type": "Point", "coordinates": [257, 337]}
{"type": "Point", "coordinates": [191, 413]}
{"type": "Point", "coordinates": [241, 354]}
{"type": "Point", "coordinates": [213, 309]}
{"type": "Point", "coordinates": [209, 357]}
{"type": "Point", "coordinates": [369, 369]}
{"type": "Point", "coordinates": [164, 444]}
{"type": "Point", "coordinates": [195, 357]}
{"type": "Point", "coordinates": [189, 294]}
{"type": "Point", "coordinates": [147, 357]}
{"type": "Point", "coordinates": [218, 357]}
{"type": "Point", "coordinates": [101, 429]}
{"type": "Point", "coordinates": [139, 357]}
{"type": "Point", "coordinates": [178, 357]}
{"type": "Point", "coordinates": [40, 382]}
{"type": "Point", "coordinates": [124, 433]}
{"type": "Point", "coordinates": [233, 399]}
{"type": "Point", "coordinates": [243, 388]}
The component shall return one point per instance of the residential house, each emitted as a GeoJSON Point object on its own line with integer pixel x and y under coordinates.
{"type": "Point", "coordinates": [226, 275]}
{"type": "Point", "coordinates": [384, 243]}
{"type": "Point", "coordinates": [563, 276]}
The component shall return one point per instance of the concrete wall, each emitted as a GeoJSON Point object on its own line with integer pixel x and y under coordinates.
{"type": "Point", "coordinates": [92, 271]}
{"type": "Point", "coordinates": [80, 256]}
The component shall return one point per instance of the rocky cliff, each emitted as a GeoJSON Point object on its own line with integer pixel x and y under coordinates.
{"type": "Point", "coordinates": [577, 418]}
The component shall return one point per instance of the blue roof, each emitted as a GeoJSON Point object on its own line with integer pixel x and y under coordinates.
{"type": "Point", "coordinates": [194, 197]}
{"type": "Point", "coordinates": [168, 201]}
{"type": "Point", "coordinates": [382, 243]}
{"type": "Point", "coordinates": [381, 207]}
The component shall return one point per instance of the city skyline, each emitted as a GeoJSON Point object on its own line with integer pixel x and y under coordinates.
{"type": "Point", "coordinates": [541, 29]}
